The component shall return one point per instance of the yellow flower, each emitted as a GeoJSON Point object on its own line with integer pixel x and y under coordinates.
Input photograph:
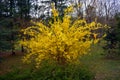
{"type": "Point", "coordinates": [63, 40]}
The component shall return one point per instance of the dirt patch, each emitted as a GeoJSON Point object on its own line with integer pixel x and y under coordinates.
{"type": "Point", "coordinates": [7, 54]}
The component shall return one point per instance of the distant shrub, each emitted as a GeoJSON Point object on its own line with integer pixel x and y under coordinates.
{"type": "Point", "coordinates": [113, 39]}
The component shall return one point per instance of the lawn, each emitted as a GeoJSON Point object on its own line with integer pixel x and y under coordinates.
{"type": "Point", "coordinates": [103, 68]}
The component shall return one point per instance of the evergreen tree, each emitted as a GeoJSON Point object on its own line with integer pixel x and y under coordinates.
{"type": "Point", "coordinates": [10, 10]}
{"type": "Point", "coordinates": [23, 8]}
{"type": "Point", "coordinates": [113, 38]}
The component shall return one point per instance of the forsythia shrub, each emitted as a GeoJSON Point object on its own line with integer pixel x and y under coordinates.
{"type": "Point", "coordinates": [63, 41]}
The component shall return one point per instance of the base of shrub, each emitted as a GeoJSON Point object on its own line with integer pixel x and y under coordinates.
{"type": "Point", "coordinates": [51, 72]}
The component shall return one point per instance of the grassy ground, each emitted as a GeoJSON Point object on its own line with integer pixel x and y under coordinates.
{"type": "Point", "coordinates": [11, 62]}
{"type": "Point", "coordinates": [104, 69]}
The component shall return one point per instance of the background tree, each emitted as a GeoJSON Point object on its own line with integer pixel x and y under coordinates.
{"type": "Point", "coordinates": [113, 39]}
{"type": "Point", "coordinates": [10, 22]}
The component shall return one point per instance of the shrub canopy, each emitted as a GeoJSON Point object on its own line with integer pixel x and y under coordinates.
{"type": "Point", "coordinates": [63, 41]}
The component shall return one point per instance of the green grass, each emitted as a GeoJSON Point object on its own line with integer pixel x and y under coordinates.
{"type": "Point", "coordinates": [105, 69]}
{"type": "Point", "coordinates": [12, 68]}
{"type": "Point", "coordinates": [49, 72]}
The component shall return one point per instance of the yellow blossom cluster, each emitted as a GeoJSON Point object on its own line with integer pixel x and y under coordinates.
{"type": "Point", "coordinates": [63, 41]}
